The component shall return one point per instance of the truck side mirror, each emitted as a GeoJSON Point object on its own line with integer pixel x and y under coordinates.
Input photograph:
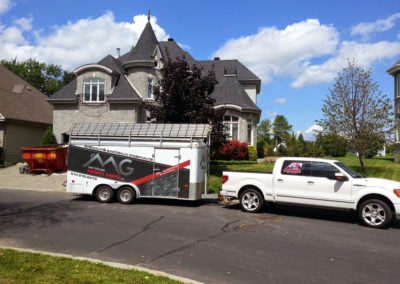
{"type": "Point", "coordinates": [341, 177]}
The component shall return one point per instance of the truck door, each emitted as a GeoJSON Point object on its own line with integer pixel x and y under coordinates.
{"type": "Point", "coordinates": [166, 172]}
{"type": "Point", "coordinates": [290, 182]}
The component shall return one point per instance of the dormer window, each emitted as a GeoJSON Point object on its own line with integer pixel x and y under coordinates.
{"type": "Point", "coordinates": [93, 90]}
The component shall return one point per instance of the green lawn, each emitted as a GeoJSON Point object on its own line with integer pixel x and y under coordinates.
{"type": "Point", "coordinates": [21, 267]}
{"type": "Point", "coordinates": [382, 167]}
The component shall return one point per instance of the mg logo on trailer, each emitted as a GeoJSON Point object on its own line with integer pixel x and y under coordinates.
{"type": "Point", "coordinates": [118, 168]}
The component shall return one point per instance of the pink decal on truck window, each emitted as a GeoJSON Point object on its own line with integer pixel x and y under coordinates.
{"type": "Point", "coordinates": [293, 168]}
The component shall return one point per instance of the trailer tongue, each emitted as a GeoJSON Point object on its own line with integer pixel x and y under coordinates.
{"type": "Point", "coordinates": [139, 161]}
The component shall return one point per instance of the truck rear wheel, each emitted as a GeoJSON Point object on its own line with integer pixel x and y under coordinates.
{"type": "Point", "coordinates": [104, 194]}
{"type": "Point", "coordinates": [126, 195]}
{"type": "Point", "coordinates": [251, 200]}
{"type": "Point", "coordinates": [375, 213]}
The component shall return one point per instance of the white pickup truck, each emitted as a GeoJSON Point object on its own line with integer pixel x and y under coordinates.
{"type": "Point", "coordinates": [316, 182]}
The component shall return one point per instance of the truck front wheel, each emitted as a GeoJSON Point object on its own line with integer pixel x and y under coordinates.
{"type": "Point", "coordinates": [251, 200]}
{"type": "Point", "coordinates": [126, 195]}
{"type": "Point", "coordinates": [375, 213]}
{"type": "Point", "coordinates": [104, 194]}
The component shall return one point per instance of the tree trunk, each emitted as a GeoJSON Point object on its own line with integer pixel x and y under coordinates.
{"type": "Point", "coordinates": [361, 158]}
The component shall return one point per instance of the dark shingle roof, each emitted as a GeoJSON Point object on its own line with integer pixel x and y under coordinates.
{"type": "Point", "coordinates": [144, 48]}
{"type": "Point", "coordinates": [112, 63]}
{"type": "Point", "coordinates": [21, 101]}
{"type": "Point", "coordinates": [229, 91]}
{"type": "Point", "coordinates": [123, 90]}
{"type": "Point", "coordinates": [243, 74]}
{"type": "Point", "coordinates": [66, 93]}
{"type": "Point", "coordinates": [174, 51]}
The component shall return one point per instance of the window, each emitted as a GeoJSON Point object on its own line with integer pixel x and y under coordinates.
{"type": "Point", "coordinates": [250, 132]}
{"type": "Point", "coordinates": [149, 88]}
{"type": "Point", "coordinates": [231, 126]}
{"type": "Point", "coordinates": [93, 90]}
{"type": "Point", "coordinates": [298, 168]}
{"type": "Point", "coordinates": [397, 88]}
{"type": "Point", "coordinates": [321, 169]}
{"type": "Point", "coordinates": [397, 132]}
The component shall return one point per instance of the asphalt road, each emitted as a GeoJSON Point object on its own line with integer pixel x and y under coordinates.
{"type": "Point", "coordinates": [205, 241]}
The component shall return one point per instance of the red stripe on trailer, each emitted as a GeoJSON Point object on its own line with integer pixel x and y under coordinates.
{"type": "Point", "coordinates": [162, 173]}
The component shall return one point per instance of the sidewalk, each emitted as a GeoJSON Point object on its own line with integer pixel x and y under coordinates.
{"type": "Point", "coordinates": [10, 178]}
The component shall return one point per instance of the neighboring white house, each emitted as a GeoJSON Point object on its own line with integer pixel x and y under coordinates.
{"type": "Point", "coordinates": [112, 89]}
{"type": "Point", "coordinates": [395, 72]}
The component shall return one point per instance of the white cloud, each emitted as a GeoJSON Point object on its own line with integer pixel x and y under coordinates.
{"type": "Point", "coordinates": [271, 113]}
{"type": "Point", "coordinates": [77, 43]}
{"type": "Point", "coordinates": [280, 52]}
{"type": "Point", "coordinates": [25, 24]}
{"type": "Point", "coordinates": [364, 29]}
{"type": "Point", "coordinates": [365, 55]}
{"type": "Point", "coordinates": [294, 51]}
{"type": "Point", "coordinates": [314, 128]}
{"type": "Point", "coordinates": [280, 101]}
{"type": "Point", "coordinates": [5, 5]}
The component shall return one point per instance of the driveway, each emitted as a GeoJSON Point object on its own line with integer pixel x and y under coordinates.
{"type": "Point", "coordinates": [205, 242]}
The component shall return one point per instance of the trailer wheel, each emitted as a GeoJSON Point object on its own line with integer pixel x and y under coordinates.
{"type": "Point", "coordinates": [104, 194]}
{"type": "Point", "coordinates": [126, 195]}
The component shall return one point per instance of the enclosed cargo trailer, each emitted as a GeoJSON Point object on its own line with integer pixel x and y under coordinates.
{"type": "Point", "coordinates": [132, 161]}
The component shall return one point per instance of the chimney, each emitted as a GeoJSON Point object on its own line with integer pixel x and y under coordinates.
{"type": "Point", "coordinates": [170, 39]}
{"type": "Point", "coordinates": [216, 58]}
{"type": "Point", "coordinates": [118, 52]}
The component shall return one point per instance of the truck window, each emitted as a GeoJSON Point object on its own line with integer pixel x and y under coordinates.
{"type": "Point", "coordinates": [321, 169]}
{"type": "Point", "coordinates": [292, 167]}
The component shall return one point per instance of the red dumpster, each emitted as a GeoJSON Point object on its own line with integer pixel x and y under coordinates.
{"type": "Point", "coordinates": [47, 159]}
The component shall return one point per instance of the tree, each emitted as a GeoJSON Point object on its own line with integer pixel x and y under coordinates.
{"type": "Point", "coordinates": [263, 131]}
{"type": "Point", "coordinates": [48, 137]}
{"type": "Point", "coordinates": [333, 144]}
{"type": "Point", "coordinates": [281, 129]}
{"type": "Point", "coordinates": [357, 110]}
{"type": "Point", "coordinates": [46, 78]}
{"type": "Point", "coordinates": [184, 96]}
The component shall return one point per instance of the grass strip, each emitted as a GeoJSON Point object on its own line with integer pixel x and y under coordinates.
{"type": "Point", "coordinates": [23, 267]}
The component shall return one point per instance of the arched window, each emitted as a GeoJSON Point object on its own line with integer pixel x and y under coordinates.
{"type": "Point", "coordinates": [231, 126]}
{"type": "Point", "coordinates": [93, 90]}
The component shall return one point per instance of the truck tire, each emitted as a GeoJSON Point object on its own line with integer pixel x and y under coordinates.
{"type": "Point", "coordinates": [375, 213]}
{"type": "Point", "coordinates": [104, 194]}
{"type": "Point", "coordinates": [126, 195]}
{"type": "Point", "coordinates": [251, 200]}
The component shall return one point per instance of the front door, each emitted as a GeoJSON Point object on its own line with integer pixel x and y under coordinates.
{"type": "Point", "coordinates": [166, 172]}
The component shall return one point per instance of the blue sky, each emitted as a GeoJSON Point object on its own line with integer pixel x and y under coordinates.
{"type": "Point", "coordinates": [295, 47]}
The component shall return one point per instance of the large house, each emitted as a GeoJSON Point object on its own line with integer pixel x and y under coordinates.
{"type": "Point", "coordinates": [111, 90]}
{"type": "Point", "coordinates": [395, 72]}
{"type": "Point", "coordinates": [24, 116]}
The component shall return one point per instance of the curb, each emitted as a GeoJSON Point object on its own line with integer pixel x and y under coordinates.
{"type": "Point", "coordinates": [112, 264]}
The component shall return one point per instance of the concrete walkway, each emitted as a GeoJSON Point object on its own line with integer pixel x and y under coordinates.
{"type": "Point", "coordinates": [11, 178]}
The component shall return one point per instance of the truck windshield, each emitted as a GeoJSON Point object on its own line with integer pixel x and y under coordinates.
{"type": "Point", "coordinates": [351, 172]}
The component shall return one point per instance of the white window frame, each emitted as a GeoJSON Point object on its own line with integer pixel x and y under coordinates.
{"type": "Point", "coordinates": [91, 82]}
{"type": "Point", "coordinates": [251, 125]}
{"type": "Point", "coordinates": [230, 124]}
{"type": "Point", "coordinates": [397, 87]}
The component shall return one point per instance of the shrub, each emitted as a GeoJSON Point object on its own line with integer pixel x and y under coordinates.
{"type": "Point", "coordinates": [233, 150]}
{"type": "Point", "coordinates": [48, 137]}
{"type": "Point", "coordinates": [252, 153]}
{"type": "Point", "coordinates": [261, 147]}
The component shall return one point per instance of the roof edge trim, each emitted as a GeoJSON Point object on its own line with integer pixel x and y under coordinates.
{"type": "Point", "coordinates": [92, 66]}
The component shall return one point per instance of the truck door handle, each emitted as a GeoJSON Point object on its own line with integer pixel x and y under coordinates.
{"type": "Point", "coordinates": [280, 180]}
{"type": "Point", "coordinates": [310, 182]}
